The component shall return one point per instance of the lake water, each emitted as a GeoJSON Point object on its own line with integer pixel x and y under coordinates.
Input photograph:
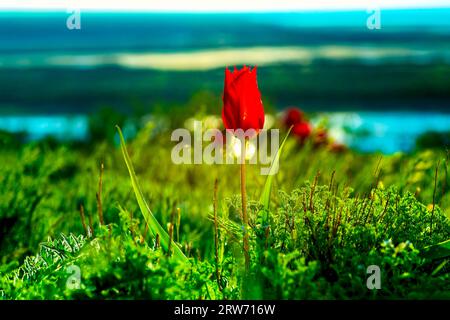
{"type": "Point", "coordinates": [387, 132]}
{"type": "Point", "coordinates": [64, 128]}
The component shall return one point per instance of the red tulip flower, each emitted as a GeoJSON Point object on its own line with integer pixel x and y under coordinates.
{"type": "Point", "coordinates": [292, 117]}
{"type": "Point", "coordinates": [242, 105]}
{"type": "Point", "coordinates": [243, 109]}
{"type": "Point", "coordinates": [302, 130]}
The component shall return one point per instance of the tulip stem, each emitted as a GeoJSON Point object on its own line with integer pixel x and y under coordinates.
{"type": "Point", "coordinates": [244, 206]}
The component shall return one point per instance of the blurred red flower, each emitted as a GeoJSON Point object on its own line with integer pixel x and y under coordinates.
{"type": "Point", "coordinates": [242, 105]}
{"type": "Point", "coordinates": [302, 130]}
{"type": "Point", "coordinates": [321, 137]}
{"type": "Point", "coordinates": [293, 116]}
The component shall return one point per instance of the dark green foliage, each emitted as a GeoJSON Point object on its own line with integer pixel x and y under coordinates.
{"type": "Point", "coordinates": [102, 124]}
{"type": "Point", "coordinates": [83, 90]}
{"type": "Point", "coordinates": [321, 248]}
{"type": "Point", "coordinates": [435, 140]}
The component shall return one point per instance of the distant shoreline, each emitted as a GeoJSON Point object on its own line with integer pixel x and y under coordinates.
{"type": "Point", "coordinates": [199, 60]}
{"type": "Point", "coordinates": [365, 131]}
{"type": "Point", "coordinates": [340, 86]}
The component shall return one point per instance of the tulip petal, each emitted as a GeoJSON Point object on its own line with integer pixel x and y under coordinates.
{"type": "Point", "coordinates": [242, 105]}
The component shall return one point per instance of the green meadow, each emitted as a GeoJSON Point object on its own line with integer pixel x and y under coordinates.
{"type": "Point", "coordinates": [105, 220]}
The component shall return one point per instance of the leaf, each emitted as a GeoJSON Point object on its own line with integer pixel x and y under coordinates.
{"type": "Point", "coordinates": [439, 267]}
{"type": "Point", "coordinates": [437, 251]}
{"type": "Point", "coordinates": [265, 196]}
{"type": "Point", "coordinates": [153, 224]}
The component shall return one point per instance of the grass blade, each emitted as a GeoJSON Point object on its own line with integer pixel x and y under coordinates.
{"type": "Point", "coordinates": [153, 224]}
{"type": "Point", "coordinates": [438, 251]}
{"type": "Point", "coordinates": [265, 196]}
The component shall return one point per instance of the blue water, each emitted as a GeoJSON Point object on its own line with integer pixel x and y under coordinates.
{"type": "Point", "coordinates": [117, 32]}
{"type": "Point", "coordinates": [63, 128]}
{"type": "Point", "coordinates": [387, 132]}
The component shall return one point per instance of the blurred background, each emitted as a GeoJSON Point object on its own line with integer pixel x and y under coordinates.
{"type": "Point", "coordinates": [376, 74]}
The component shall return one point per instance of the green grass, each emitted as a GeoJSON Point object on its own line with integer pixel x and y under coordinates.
{"type": "Point", "coordinates": [330, 216]}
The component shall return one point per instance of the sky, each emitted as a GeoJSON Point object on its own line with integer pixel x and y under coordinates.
{"type": "Point", "coordinates": [218, 5]}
